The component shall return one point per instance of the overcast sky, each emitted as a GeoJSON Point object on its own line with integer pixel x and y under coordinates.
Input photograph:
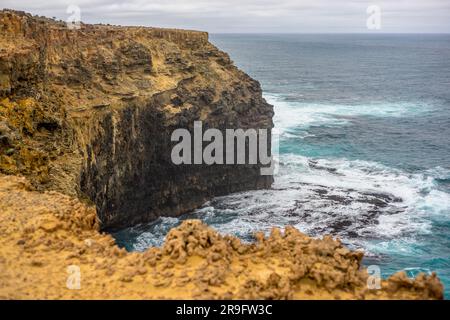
{"type": "Point", "coordinates": [253, 16]}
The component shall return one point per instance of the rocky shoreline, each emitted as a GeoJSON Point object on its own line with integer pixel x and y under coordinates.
{"type": "Point", "coordinates": [44, 235]}
{"type": "Point", "coordinates": [85, 123]}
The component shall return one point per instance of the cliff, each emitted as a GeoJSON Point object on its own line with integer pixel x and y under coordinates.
{"type": "Point", "coordinates": [85, 123]}
{"type": "Point", "coordinates": [90, 112]}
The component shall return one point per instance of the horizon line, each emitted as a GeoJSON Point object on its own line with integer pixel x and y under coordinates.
{"type": "Point", "coordinates": [332, 33]}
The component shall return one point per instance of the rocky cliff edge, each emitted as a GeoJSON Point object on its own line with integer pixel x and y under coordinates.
{"type": "Point", "coordinates": [86, 116]}
{"type": "Point", "coordinates": [89, 112]}
{"type": "Point", "coordinates": [48, 237]}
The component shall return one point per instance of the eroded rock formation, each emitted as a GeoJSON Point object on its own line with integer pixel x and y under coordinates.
{"type": "Point", "coordinates": [43, 234]}
{"type": "Point", "coordinates": [90, 113]}
{"type": "Point", "coordinates": [86, 117]}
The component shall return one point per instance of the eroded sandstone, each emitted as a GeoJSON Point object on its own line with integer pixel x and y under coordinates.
{"type": "Point", "coordinates": [86, 117]}
{"type": "Point", "coordinates": [45, 233]}
{"type": "Point", "coordinates": [90, 112]}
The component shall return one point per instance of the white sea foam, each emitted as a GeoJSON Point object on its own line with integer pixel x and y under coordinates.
{"type": "Point", "coordinates": [354, 200]}
{"type": "Point", "coordinates": [290, 115]}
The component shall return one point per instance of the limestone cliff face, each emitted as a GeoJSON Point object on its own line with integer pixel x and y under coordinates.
{"type": "Point", "coordinates": [90, 112]}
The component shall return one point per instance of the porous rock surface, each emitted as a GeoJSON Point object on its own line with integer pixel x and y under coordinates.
{"type": "Point", "coordinates": [44, 234]}
{"type": "Point", "coordinates": [89, 112]}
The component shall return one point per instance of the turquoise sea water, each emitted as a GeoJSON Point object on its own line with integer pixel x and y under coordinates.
{"type": "Point", "coordinates": [364, 124]}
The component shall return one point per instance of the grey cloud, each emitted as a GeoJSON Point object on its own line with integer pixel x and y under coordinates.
{"type": "Point", "coordinates": [251, 15]}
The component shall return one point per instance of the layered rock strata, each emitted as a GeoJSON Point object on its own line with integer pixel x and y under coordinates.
{"type": "Point", "coordinates": [90, 113]}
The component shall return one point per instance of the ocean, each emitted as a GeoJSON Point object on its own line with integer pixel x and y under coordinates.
{"type": "Point", "coordinates": [364, 136]}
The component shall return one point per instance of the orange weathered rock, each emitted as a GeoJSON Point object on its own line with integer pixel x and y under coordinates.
{"type": "Point", "coordinates": [43, 234]}
{"type": "Point", "coordinates": [89, 112]}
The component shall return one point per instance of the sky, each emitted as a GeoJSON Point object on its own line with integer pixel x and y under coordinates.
{"type": "Point", "coordinates": [254, 16]}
